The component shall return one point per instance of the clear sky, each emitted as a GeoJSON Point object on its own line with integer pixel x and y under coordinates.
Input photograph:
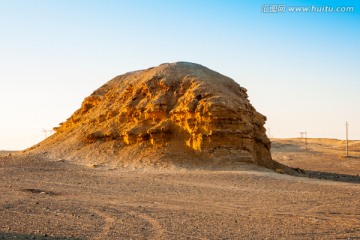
{"type": "Point", "coordinates": [301, 69]}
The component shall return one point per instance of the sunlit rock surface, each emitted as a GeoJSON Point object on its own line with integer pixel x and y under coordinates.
{"type": "Point", "coordinates": [174, 113]}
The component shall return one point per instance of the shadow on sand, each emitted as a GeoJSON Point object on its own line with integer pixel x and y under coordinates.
{"type": "Point", "coordinates": [333, 176]}
{"type": "Point", "coordinates": [23, 236]}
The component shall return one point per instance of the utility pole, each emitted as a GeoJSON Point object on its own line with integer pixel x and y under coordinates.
{"type": "Point", "coordinates": [347, 139]}
{"type": "Point", "coordinates": [46, 132]}
{"type": "Point", "coordinates": [269, 132]}
{"type": "Point", "coordinates": [302, 134]}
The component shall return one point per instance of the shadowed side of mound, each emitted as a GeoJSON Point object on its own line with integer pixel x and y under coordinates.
{"type": "Point", "coordinates": [177, 113]}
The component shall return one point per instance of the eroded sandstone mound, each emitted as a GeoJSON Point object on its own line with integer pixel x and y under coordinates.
{"type": "Point", "coordinates": [178, 112]}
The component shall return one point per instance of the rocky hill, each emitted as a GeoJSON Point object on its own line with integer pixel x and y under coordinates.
{"type": "Point", "coordinates": [175, 113]}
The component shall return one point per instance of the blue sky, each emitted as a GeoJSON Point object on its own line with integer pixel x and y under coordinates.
{"type": "Point", "coordinates": [301, 69]}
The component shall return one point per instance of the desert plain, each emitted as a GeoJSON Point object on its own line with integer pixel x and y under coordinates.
{"type": "Point", "coordinates": [45, 198]}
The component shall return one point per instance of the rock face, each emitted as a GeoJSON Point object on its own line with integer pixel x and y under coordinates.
{"type": "Point", "coordinates": [178, 112]}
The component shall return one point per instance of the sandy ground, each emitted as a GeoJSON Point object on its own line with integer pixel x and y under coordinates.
{"type": "Point", "coordinates": [45, 199]}
{"type": "Point", "coordinates": [326, 155]}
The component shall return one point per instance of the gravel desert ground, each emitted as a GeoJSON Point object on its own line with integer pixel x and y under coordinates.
{"type": "Point", "coordinates": [57, 199]}
{"type": "Point", "coordinates": [326, 155]}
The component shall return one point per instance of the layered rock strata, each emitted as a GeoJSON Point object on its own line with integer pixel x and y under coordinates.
{"type": "Point", "coordinates": [174, 111]}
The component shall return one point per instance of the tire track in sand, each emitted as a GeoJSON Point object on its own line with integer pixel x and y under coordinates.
{"type": "Point", "coordinates": [108, 223]}
{"type": "Point", "coordinates": [159, 230]}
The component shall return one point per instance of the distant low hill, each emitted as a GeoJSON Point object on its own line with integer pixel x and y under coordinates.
{"type": "Point", "coordinates": [4, 152]}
